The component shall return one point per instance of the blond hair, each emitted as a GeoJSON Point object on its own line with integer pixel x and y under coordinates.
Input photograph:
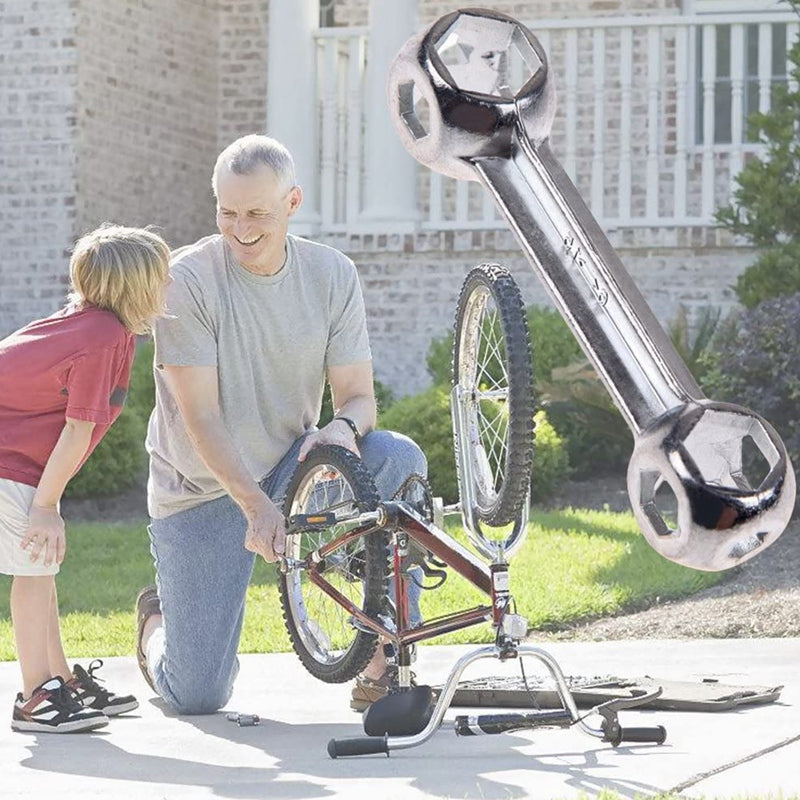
{"type": "Point", "coordinates": [123, 270]}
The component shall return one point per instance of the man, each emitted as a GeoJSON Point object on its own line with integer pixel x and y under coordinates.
{"type": "Point", "coordinates": [258, 319]}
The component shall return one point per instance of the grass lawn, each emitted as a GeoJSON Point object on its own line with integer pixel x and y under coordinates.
{"type": "Point", "coordinates": [574, 565]}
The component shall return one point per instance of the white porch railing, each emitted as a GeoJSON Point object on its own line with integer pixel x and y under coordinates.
{"type": "Point", "coordinates": [651, 121]}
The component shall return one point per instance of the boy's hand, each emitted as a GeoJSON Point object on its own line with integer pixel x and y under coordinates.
{"type": "Point", "coordinates": [46, 535]}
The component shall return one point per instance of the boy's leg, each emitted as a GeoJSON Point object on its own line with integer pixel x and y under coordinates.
{"type": "Point", "coordinates": [55, 648]}
{"type": "Point", "coordinates": [31, 597]}
{"type": "Point", "coordinates": [202, 573]}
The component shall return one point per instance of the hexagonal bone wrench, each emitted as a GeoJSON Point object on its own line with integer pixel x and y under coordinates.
{"type": "Point", "coordinates": [483, 79]}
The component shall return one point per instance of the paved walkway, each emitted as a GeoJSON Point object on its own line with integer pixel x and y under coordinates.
{"type": "Point", "coordinates": [149, 754]}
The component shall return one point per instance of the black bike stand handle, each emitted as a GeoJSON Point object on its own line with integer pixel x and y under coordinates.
{"type": "Point", "coordinates": [655, 735]}
{"type": "Point", "coordinates": [358, 746]}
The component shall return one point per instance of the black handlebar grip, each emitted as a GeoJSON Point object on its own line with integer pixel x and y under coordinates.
{"type": "Point", "coordinates": [358, 746]}
{"type": "Point", "coordinates": [656, 735]}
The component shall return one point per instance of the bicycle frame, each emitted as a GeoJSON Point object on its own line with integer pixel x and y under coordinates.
{"type": "Point", "coordinates": [405, 524]}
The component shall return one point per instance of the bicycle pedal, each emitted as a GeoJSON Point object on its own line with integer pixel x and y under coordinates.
{"type": "Point", "coordinates": [305, 522]}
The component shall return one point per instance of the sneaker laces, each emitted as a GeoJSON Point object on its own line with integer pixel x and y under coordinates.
{"type": "Point", "coordinates": [89, 682]}
{"type": "Point", "coordinates": [64, 697]}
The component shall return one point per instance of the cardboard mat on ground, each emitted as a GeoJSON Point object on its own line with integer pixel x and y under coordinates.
{"type": "Point", "coordinates": [707, 694]}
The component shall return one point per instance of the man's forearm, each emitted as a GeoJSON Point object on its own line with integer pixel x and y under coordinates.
{"type": "Point", "coordinates": [215, 446]}
{"type": "Point", "coordinates": [360, 409]}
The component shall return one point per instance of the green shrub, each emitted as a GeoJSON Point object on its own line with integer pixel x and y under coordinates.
{"type": "Point", "coordinates": [776, 272]}
{"type": "Point", "coordinates": [765, 202]}
{"type": "Point", "coordinates": [694, 343]}
{"type": "Point", "coordinates": [426, 419]}
{"type": "Point", "coordinates": [551, 465]}
{"type": "Point", "coordinates": [552, 343]}
{"type": "Point", "coordinates": [384, 397]}
{"type": "Point", "coordinates": [118, 461]}
{"type": "Point", "coordinates": [757, 365]}
{"type": "Point", "coordinates": [142, 393]}
{"type": "Point", "coordinates": [597, 439]}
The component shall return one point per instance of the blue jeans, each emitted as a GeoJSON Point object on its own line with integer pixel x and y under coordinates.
{"type": "Point", "coordinates": [203, 570]}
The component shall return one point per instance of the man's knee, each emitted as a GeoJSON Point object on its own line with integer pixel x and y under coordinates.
{"type": "Point", "coordinates": [404, 453]}
{"type": "Point", "coordinates": [205, 698]}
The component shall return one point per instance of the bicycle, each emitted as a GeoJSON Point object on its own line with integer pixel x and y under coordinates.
{"type": "Point", "coordinates": [344, 545]}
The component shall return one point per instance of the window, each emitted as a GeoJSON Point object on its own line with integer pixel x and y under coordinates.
{"type": "Point", "coordinates": [749, 61]}
{"type": "Point", "coordinates": [327, 10]}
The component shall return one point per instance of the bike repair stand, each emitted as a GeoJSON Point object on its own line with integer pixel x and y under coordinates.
{"type": "Point", "coordinates": [408, 717]}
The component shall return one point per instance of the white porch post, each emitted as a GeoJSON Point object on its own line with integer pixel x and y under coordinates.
{"type": "Point", "coordinates": [291, 96]}
{"type": "Point", "coordinates": [390, 195]}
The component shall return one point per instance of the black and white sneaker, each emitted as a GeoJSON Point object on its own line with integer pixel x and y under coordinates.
{"type": "Point", "coordinates": [53, 708]}
{"type": "Point", "coordinates": [92, 695]}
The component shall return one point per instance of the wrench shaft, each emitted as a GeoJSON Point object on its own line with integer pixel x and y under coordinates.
{"type": "Point", "coordinates": [588, 283]}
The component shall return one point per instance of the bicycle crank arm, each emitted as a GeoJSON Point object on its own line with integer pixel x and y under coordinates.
{"type": "Point", "coordinates": [490, 100]}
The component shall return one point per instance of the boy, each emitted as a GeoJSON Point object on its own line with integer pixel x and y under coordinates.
{"type": "Point", "coordinates": [63, 382]}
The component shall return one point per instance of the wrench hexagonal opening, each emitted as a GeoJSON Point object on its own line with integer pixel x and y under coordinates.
{"type": "Point", "coordinates": [731, 449]}
{"type": "Point", "coordinates": [488, 56]}
{"type": "Point", "coordinates": [651, 481]}
{"type": "Point", "coordinates": [659, 502]}
{"type": "Point", "coordinates": [414, 109]}
{"type": "Point", "coordinates": [755, 466]}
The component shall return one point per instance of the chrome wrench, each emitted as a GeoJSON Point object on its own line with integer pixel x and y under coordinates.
{"type": "Point", "coordinates": [472, 97]}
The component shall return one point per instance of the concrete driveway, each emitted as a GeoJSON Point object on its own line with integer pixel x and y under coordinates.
{"type": "Point", "coordinates": [152, 754]}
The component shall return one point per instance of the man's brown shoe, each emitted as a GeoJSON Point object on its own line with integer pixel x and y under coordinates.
{"type": "Point", "coordinates": [366, 691]}
{"type": "Point", "coordinates": [147, 605]}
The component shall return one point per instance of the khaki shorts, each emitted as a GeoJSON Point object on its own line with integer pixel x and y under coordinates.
{"type": "Point", "coordinates": [15, 503]}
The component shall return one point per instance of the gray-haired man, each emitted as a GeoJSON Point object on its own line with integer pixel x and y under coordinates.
{"type": "Point", "coordinates": [259, 319]}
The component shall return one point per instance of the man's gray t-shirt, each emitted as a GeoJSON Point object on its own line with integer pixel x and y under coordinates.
{"type": "Point", "coordinates": [271, 339]}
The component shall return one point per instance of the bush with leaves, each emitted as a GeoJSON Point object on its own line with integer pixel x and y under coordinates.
{"type": "Point", "coordinates": [425, 417]}
{"type": "Point", "coordinates": [757, 365]}
{"type": "Point", "coordinates": [118, 461]}
{"type": "Point", "coordinates": [596, 437]}
{"type": "Point", "coordinates": [552, 343]}
{"type": "Point", "coordinates": [384, 397]}
{"type": "Point", "coordinates": [765, 204]}
{"type": "Point", "coordinates": [142, 395]}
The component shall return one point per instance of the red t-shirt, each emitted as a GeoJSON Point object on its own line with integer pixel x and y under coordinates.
{"type": "Point", "coordinates": [75, 363]}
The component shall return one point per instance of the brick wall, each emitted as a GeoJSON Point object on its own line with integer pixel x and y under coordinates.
{"type": "Point", "coordinates": [37, 156]}
{"type": "Point", "coordinates": [242, 44]}
{"type": "Point", "coordinates": [114, 109]}
{"type": "Point", "coordinates": [147, 100]}
{"type": "Point", "coordinates": [411, 283]}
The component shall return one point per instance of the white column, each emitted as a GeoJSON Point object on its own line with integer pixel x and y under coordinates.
{"type": "Point", "coordinates": [292, 96]}
{"type": "Point", "coordinates": [390, 197]}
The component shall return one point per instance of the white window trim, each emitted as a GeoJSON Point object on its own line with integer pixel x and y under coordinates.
{"type": "Point", "coordinates": [728, 6]}
{"type": "Point", "coordinates": [718, 7]}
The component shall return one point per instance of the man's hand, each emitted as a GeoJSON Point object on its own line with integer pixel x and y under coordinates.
{"type": "Point", "coordinates": [266, 530]}
{"type": "Point", "coordinates": [335, 432]}
{"type": "Point", "coordinates": [45, 534]}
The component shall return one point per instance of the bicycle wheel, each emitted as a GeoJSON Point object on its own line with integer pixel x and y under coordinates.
{"type": "Point", "coordinates": [323, 634]}
{"type": "Point", "coordinates": [493, 376]}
